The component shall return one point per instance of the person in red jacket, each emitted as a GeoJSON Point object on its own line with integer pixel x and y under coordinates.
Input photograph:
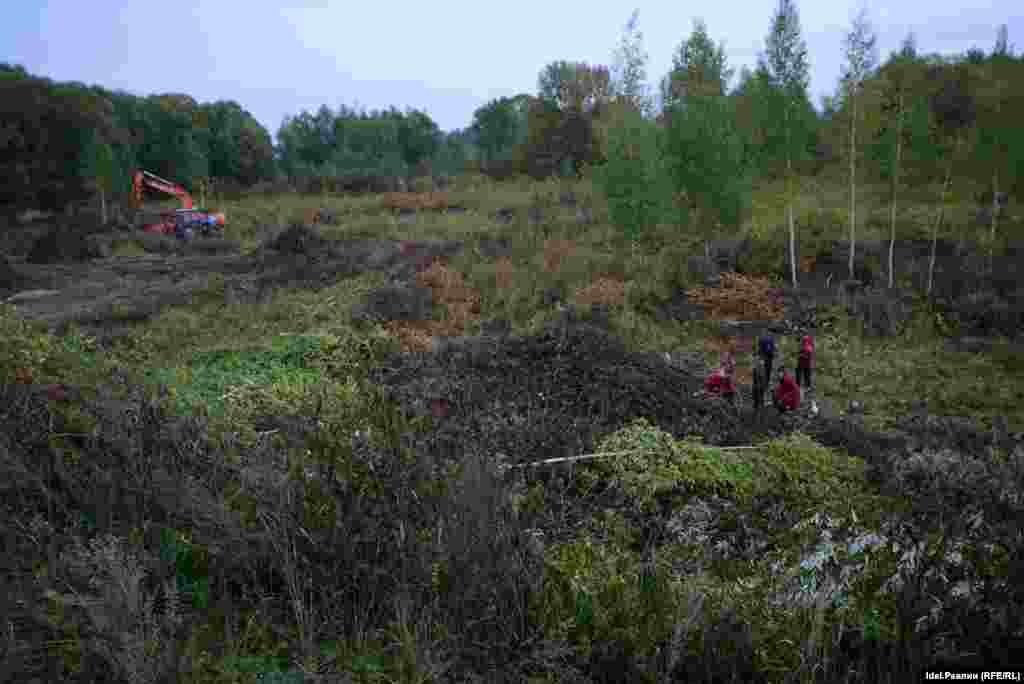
{"type": "Point", "coordinates": [719, 383]}
{"type": "Point", "coordinates": [805, 362]}
{"type": "Point", "coordinates": [787, 392]}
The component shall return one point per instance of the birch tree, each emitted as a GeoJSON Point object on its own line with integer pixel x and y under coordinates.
{"type": "Point", "coordinates": [861, 60]}
{"type": "Point", "coordinates": [907, 127]}
{"type": "Point", "coordinates": [629, 68]}
{"type": "Point", "coordinates": [999, 139]}
{"type": "Point", "coordinates": [955, 113]}
{"type": "Point", "coordinates": [785, 61]}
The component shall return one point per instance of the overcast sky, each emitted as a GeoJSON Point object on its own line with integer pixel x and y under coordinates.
{"type": "Point", "coordinates": [276, 59]}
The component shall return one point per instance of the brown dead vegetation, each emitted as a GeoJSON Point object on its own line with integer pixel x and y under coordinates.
{"type": "Point", "coordinates": [555, 252]}
{"type": "Point", "coordinates": [461, 304]}
{"type": "Point", "coordinates": [604, 290]}
{"type": "Point", "coordinates": [740, 297]}
{"type": "Point", "coordinates": [416, 201]}
{"type": "Point", "coordinates": [504, 273]}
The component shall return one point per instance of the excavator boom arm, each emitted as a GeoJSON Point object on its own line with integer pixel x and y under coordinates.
{"type": "Point", "coordinates": [151, 180]}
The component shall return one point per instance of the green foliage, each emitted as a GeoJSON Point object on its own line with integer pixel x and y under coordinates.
{"type": "Point", "coordinates": [629, 72]}
{"type": "Point", "coordinates": [498, 125]}
{"type": "Point", "coordinates": [598, 594]}
{"type": "Point", "coordinates": [699, 68]}
{"type": "Point", "coordinates": [26, 347]}
{"type": "Point", "coordinates": [631, 178]}
{"type": "Point", "coordinates": [706, 161]}
{"type": "Point", "coordinates": [209, 376]}
{"type": "Point", "coordinates": [191, 566]}
{"type": "Point", "coordinates": [794, 469]}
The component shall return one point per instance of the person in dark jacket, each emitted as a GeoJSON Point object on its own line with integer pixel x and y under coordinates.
{"type": "Point", "coordinates": [760, 385]}
{"type": "Point", "coordinates": [787, 392]}
{"type": "Point", "coordinates": [805, 362]}
{"type": "Point", "coordinates": [766, 350]}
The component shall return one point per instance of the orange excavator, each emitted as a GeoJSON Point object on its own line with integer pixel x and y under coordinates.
{"type": "Point", "coordinates": [184, 223]}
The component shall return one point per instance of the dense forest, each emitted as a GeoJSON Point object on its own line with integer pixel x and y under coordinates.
{"type": "Point", "coordinates": [62, 142]}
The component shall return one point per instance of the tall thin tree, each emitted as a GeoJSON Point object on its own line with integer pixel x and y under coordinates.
{"type": "Point", "coordinates": [861, 60]}
{"type": "Point", "coordinates": [629, 68]}
{"type": "Point", "coordinates": [786, 63]}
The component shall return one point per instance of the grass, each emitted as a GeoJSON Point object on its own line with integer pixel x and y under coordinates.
{"type": "Point", "coordinates": [604, 583]}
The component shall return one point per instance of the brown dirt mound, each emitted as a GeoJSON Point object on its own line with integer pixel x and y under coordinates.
{"type": "Point", "coordinates": [10, 279]}
{"type": "Point", "coordinates": [297, 239]}
{"type": "Point", "coordinates": [551, 394]}
{"type": "Point", "coordinates": [64, 243]}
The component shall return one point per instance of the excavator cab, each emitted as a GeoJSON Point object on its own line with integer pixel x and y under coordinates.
{"type": "Point", "coordinates": [191, 222]}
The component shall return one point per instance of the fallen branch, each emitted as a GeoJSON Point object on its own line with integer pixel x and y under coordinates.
{"type": "Point", "coordinates": [606, 454]}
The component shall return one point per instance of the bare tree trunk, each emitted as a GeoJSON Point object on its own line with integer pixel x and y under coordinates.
{"type": "Point", "coordinates": [995, 219]}
{"type": "Point", "coordinates": [789, 199]}
{"type": "Point", "coordinates": [853, 181]}
{"type": "Point", "coordinates": [792, 224]}
{"type": "Point", "coordinates": [938, 220]}
{"type": "Point", "coordinates": [895, 189]}
{"type": "Point", "coordinates": [103, 206]}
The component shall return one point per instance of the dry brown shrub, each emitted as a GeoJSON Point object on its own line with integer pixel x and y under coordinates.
{"type": "Point", "coordinates": [605, 290]}
{"type": "Point", "coordinates": [504, 272]}
{"type": "Point", "coordinates": [742, 297]}
{"type": "Point", "coordinates": [807, 264]}
{"type": "Point", "coordinates": [461, 302]}
{"type": "Point", "coordinates": [555, 251]}
{"type": "Point", "coordinates": [414, 336]}
{"type": "Point", "coordinates": [416, 201]}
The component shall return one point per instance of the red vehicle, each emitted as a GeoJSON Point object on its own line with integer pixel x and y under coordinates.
{"type": "Point", "coordinates": [184, 223]}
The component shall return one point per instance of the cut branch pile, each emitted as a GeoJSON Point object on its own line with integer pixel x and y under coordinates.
{"type": "Point", "coordinates": [740, 297]}
{"type": "Point", "coordinates": [416, 201]}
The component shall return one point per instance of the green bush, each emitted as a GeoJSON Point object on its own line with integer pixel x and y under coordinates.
{"type": "Point", "coordinates": [632, 179]}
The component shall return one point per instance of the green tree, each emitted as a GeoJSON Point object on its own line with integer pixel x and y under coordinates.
{"type": "Point", "coordinates": [902, 138]}
{"type": "Point", "coordinates": [575, 85]}
{"type": "Point", "coordinates": [707, 164]}
{"type": "Point", "coordinates": [698, 68]}
{"type": "Point", "coordinates": [97, 167]}
{"type": "Point", "coordinates": [496, 127]}
{"type": "Point", "coordinates": [954, 112]}
{"type": "Point", "coordinates": [997, 150]}
{"type": "Point", "coordinates": [785, 62]}
{"type": "Point", "coordinates": [632, 178]}
{"type": "Point", "coordinates": [629, 68]}
{"type": "Point", "coordinates": [861, 60]}
{"type": "Point", "coordinates": [418, 137]}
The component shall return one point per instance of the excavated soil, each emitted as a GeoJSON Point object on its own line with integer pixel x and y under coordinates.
{"type": "Point", "coordinates": [101, 294]}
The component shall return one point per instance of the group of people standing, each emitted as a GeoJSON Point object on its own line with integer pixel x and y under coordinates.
{"type": "Point", "coordinates": [786, 395]}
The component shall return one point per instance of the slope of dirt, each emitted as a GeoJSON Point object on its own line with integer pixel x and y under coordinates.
{"type": "Point", "coordinates": [521, 399]}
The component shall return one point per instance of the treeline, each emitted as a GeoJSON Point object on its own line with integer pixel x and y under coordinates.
{"type": "Point", "coordinates": [58, 141]}
{"type": "Point", "coordinates": [915, 122]}
{"type": "Point", "coordinates": [914, 119]}
{"type": "Point", "coordinates": [353, 144]}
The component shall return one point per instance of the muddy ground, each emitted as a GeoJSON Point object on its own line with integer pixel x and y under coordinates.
{"type": "Point", "coordinates": [552, 394]}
